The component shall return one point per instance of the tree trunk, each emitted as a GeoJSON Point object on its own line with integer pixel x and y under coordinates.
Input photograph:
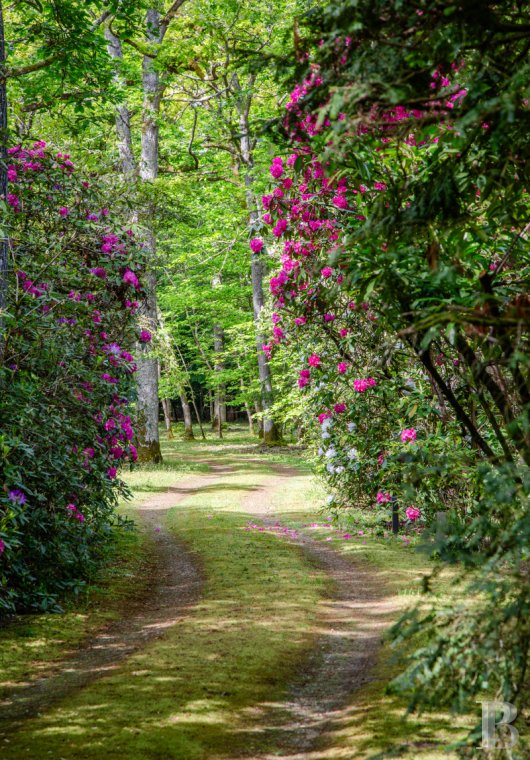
{"type": "Point", "coordinates": [249, 418]}
{"type": "Point", "coordinates": [188, 425]}
{"type": "Point", "coordinates": [271, 434]}
{"type": "Point", "coordinates": [197, 415]}
{"type": "Point", "coordinates": [247, 409]}
{"type": "Point", "coordinates": [147, 376]}
{"type": "Point", "coordinates": [147, 404]}
{"type": "Point", "coordinates": [4, 241]}
{"type": "Point", "coordinates": [166, 406]}
{"type": "Point", "coordinates": [123, 117]}
{"type": "Point", "coordinates": [219, 412]}
{"type": "Point", "coordinates": [257, 407]}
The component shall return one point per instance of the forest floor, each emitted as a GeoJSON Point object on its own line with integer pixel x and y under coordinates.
{"type": "Point", "coordinates": [235, 623]}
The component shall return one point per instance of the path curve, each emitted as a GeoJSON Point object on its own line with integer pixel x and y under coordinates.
{"type": "Point", "coordinates": [352, 621]}
{"type": "Point", "coordinates": [176, 585]}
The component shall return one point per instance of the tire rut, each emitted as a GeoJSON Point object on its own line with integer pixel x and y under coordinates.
{"type": "Point", "coordinates": [352, 620]}
{"type": "Point", "coordinates": [175, 587]}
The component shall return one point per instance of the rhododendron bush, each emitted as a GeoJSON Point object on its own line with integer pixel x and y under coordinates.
{"type": "Point", "coordinates": [399, 216]}
{"type": "Point", "coordinates": [66, 377]}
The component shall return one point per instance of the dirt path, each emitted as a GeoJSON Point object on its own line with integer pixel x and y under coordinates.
{"type": "Point", "coordinates": [352, 621]}
{"type": "Point", "coordinates": [174, 585]}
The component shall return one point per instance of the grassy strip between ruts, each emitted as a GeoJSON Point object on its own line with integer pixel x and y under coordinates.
{"type": "Point", "coordinates": [200, 691]}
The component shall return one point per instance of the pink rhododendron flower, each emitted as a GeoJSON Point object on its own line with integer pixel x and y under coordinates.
{"type": "Point", "coordinates": [413, 513]}
{"type": "Point", "coordinates": [339, 408]}
{"type": "Point", "coordinates": [276, 168]}
{"type": "Point", "coordinates": [409, 434]}
{"type": "Point", "coordinates": [324, 416]}
{"type": "Point", "coordinates": [343, 332]}
{"type": "Point", "coordinates": [99, 272]}
{"type": "Point", "coordinates": [256, 245]}
{"type": "Point", "coordinates": [300, 321]}
{"type": "Point", "coordinates": [130, 278]}
{"type": "Point", "coordinates": [145, 336]}
{"type": "Point", "coordinates": [342, 368]}
{"type": "Point", "coordinates": [112, 472]}
{"type": "Point", "coordinates": [314, 360]}
{"type": "Point", "coordinates": [383, 497]}
{"type": "Point", "coordinates": [279, 228]}
{"type": "Point", "coordinates": [329, 317]}
{"type": "Point", "coordinates": [326, 272]}
{"type": "Point", "coordinates": [63, 211]}
{"type": "Point", "coordinates": [340, 201]}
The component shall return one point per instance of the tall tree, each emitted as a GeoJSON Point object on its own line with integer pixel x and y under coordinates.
{"type": "Point", "coordinates": [153, 86]}
{"type": "Point", "coordinates": [243, 102]}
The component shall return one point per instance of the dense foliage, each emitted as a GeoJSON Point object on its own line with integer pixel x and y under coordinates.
{"type": "Point", "coordinates": [65, 379]}
{"type": "Point", "coordinates": [401, 220]}
{"type": "Point", "coordinates": [397, 226]}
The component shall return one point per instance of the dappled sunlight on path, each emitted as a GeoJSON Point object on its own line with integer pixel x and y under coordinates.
{"type": "Point", "coordinates": [329, 631]}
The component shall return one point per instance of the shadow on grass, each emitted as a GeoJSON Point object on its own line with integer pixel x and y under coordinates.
{"type": "Point", "coordinates": [214, 685]}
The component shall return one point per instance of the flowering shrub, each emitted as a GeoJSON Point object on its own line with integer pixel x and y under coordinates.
{"type": "Point", "coordinates": [65, 377]}
{"type": "Point", "coordinates": [401, 229]}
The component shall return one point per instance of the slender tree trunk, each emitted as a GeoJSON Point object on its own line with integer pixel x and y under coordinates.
{"type": "Point", "coordinates": [4, 240]}
{"type": "Point", "coordinates": [219, 415]}
{"type": "Point", "coordinates": [271, 434]}
{"type": "Point", "coordinates": [249, 418]}
{"type": "Point", "coordinates": [197, 415]}
{"type": "Point", "coordinates": [188, 425]}
{"type": "Point", "coordinates": [166, 406]}
{"type": "Point", "coordinates": [123, 117]}
{"type": "Point", "coordinates": [247, 409]}
{"type": "Point", "coordinates": [257, 407]}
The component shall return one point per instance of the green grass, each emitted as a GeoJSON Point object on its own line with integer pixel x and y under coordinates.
{"type": "Point", "coordinates": [214, 686]}
{"type": "Point", "coordinates": [204, 689]}
{"type": "Point", "coordinates": [31, 645]}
